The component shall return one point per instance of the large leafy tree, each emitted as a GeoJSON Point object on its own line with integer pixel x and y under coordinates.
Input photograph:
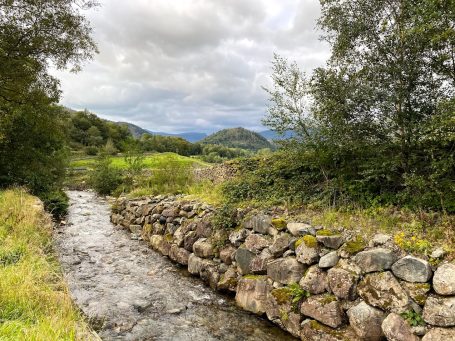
{"type": "Point", "coordinates": [35, 35]}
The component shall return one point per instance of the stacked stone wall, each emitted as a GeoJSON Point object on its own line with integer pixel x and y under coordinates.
{"type": "Point", "coordinates": [317, 284]}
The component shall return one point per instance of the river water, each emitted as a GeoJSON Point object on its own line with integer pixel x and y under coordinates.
{"type": "Point", "coordinates": [133, 293]}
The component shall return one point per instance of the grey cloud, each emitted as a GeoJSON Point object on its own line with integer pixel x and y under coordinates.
{"type": "Point", "coordinates": [191, 65]}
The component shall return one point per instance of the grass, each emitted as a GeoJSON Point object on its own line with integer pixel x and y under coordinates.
{"type": "Point", "coordinates": [34, 300]}
{"type": "Point", "coordinates": [151, 161]}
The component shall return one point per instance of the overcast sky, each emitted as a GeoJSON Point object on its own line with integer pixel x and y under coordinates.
{"type": "Point", "coordinates": [191, 65]}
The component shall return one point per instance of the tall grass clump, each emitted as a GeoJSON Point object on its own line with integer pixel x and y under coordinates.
{"type": "Point", "coordinates": [34, 300]}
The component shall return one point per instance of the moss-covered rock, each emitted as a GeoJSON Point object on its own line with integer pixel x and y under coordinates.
{"type": "Point", "coordinates": [279, 223]}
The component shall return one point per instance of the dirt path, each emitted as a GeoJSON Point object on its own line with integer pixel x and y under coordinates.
{"type": "Point", "coordinates": [135, 293]}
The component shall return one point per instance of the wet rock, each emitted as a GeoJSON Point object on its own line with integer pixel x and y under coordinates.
{"type": "Point", "coordinates": [373, 260]}
{"type": "Point", "coordinates": [189, 240]}
{"type": "Point", "coordinates": [228, 280]}
{"type": "Point", "coordinates": [307, 250]}
{"type": "Point", "coordinates": [203, 248]}
{"type": "Point", "coordinates": [315, 331]}
{"type": "Point", "coordinates": [324, 308]}
{"type": "Point", "coordinates": [395, 328]}
{"type": "Point", "coordinates": [314, 280]}
{"type": "Point", "coordinates": [382, 290]}
{"type": "Point", "coordinates": [252, 294]}
{"type": "Point", "coordinates": [259, 263]}
{"type": "Point", "coordinates": [444, 279]}
{"type": "Point", "coordinates": [417, 291]}
{"type": "Point", "coordinates": [209, 274]}
{"type": "Point", "coordinates": [280, 245]}
{"type": "Point", "coordinates": [412, 269]}
{"type": "Point", "coordinates": [329, 260]}
{"type": "Point", "coordinates": [440, 334]}
{"type": "Point", "coordinates": [300, 229]}
{"type": "Point", "coordinates": [285, 270]}
{"type": "Point", "coordinates": [160, 244]}
{"type": "Point", "coordinates": [136, 229]}
{"type": "Point", "coordinates": [333, 242]}
{"type": "Point", "coordinates": [440, 311]}
{"type": "Point", "coordinates": [238, 237]}
{"type": "Point", "coordinates": [195, 264]}
{"type": "Point", "coordinates": [256, 242]}
{"type": "Point", "coordinates": [342, 283]}
{"type": "Point", "coordinates": [366, 321]}
{"type": "Point", "coordinates": [227, 254]}
{"type": "Point", "coordinates": [279, 310]}
{"type": "Point", "coordinates": [259, 223]}
{"type": "Point", "coordinates": [243, 258]}
{"type": "Point", "coordinates": [179, 255]}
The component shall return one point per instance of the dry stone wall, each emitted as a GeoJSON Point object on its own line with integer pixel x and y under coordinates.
{"type": "Point", "coordinates": [317, 284]}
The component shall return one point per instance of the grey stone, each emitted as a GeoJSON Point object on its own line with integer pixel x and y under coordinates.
{"type": "Point", "coordinates": [307, 254]}
{"type": "Point", "coordinates": [342, 283]}
{"type": "Point", "coordinates": [228, 280]}
{"type": "Point", "coordinates": [312, 330]}
{"type": "Point", "coordinates": [438, 253]}
{"type": "Point", "coordinates": [378, 259]}
{"type": "Point", "coordinates": [227, 254]}
{"type": "Point", "coordinates": [280, 244]}
{"type": "Point", "coordinates": [380, 239]}
{"type": "Point", "coordinates": [333, 242]}
{"type": "Point", "coordinates": [189, 240]}
{"type": "Point", "coordinates": [252, 294]}
{"type": "Point", "coordinates": [179, 255]}
{"type": "Point", "coordinates": [259, 223]}
{"type": "Point", "coordinates": [203, 248]}
{"type": "Point", "coordinates": [440, 311]}
{"type": "Point", "coordinates": [243, 258]}
{"type": "Point", "coordinates": [412, 269]}
{"type": "Point", "coordinates": [160, 244]}
{"type": "Point", "coordinates": [238, 237]}
{"type": "Point", "coordinates": [300, 229]}
{"type": "Point", "coordinates": [256, 242]}
{"type": "Point", "coordinates": [444, 279]}
{"type": "Point", "coordinates": [395, 328]}
{"type": "Point", "coordinates": [259, 263]}
{"type": "Point", "coordinates": [314, 281]}
{"type": "Point", "coordinates": [440, 334]}
{"type": "Point", "coordinates": [285, 270]}
{"type": "Point", "coordinates": [382, 290]}
{"type": "Point", "coordinates": [329, 260]}
{"type": "Point", "coordinates": [417, 291]}
{"type": "Point", "coordinates": [366, 321]}
{"type": "Point", "coordinates": [324, 308]}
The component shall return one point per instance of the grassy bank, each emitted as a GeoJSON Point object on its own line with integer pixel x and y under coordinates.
{"type": "Point", "coordinates": [34, 300]}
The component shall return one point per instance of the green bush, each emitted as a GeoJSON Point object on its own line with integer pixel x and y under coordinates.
{"type": "Point", "coordinates": [56, 202]}
{"type": "Point", "coordinates": [105, 178]}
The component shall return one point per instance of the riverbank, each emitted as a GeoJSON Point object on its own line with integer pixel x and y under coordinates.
{"type": "Point", "coordinates": [34, 301]}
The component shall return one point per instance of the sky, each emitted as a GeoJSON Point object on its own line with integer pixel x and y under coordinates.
{"type": "Point", "coordinates": [191, 65]}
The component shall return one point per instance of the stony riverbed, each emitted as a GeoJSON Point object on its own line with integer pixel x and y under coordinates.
{"type": "Point", "coordinates": [133, 293]}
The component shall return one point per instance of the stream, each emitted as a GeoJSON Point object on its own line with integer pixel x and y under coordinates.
{"type": "Point", "coordinates": [133, 293]}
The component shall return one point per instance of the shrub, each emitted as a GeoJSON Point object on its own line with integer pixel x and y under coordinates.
{"type": "Point", "coordinates": [105, 178]}
{"type": "Point", "coordinates": [56, 202]}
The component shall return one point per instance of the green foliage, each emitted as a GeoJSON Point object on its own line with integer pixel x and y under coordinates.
{"type": "Point", "coordinates": [238, 138]}
{"type": "Point", "coordinates": [297, 293]}
{"type": "Point", "coordinates": [413, 318]}
{"type": "Point", "coordinates": [225, 217]}
{"type": "Point", "coordinates": [105, 178]}
{"type": "Point", "coordinates": [56, 202]}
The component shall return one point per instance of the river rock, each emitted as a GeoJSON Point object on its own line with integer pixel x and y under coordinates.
{"type": "Point", "coordinates": [324, 308]}
{"type": "Point", "coordinates": [189, 240]}
{"type": "Point", "coordinates": [444, 279]}
{"type": "Point", "coordinates": [315, 331]}
{"type": "Point", "coordinates": [228, 280]}
{"type": "Point", "coordinates": [279, 310]}
{"type": "Point", "coordinates": [252, 294]}
{"type": "Point", "coordinates": [258, 264]}
{"type": "Point", "coordinates": [179, 255]}
{"type": "Point", "coordinates": [203, 248]}
{"type": "Point", "coordinates": [259, 223]}
{"type": "Point", "coordinates": [256, 242]}
{"type": "Point", "coordinates": [307, 254]}
{"type": "Point", "coordinates": [382, 290]}
{"type": "Point", "coordinates": [203, 229]}
{"type": "Point", "coordinates": [440, 334]}
{"type": "Point", "coordinates": [333, 242]}
{"type": "Point", "coordinates": [396, 328]}
{"type": "Point", "coordinates": [160, 244]}
{"type": "Point", "coordinates": [440, 311]}
{"type": "Point", "coordinates": [238, 237]}
{"type": "Point", "coordinates": [378, 259]}
{"type": "Point", "coordinates": [227, 254]}
{"type": "Point", "coordinates": [179, 237]}
{"type": "Point", "coordinates": [285, 270]}
{"type": "Point", "coordinates": [300, 229]}
{"type": "Point", "coordinates": [280, 245]}
{"type": "Point", "coordinates": [329, 260]}
{"type": "Point", "coordinates": [209, 273]}
{"type": "Point", "coordinates": [243, 258]}
{"type": "Point", "coordinates": [195, 264]}
{"type": "Point", "coordinates": [412, 269]}
{"type": "Point", "coordinates": [366, 321]}
{"type": "Point", "coordinates": [314, 281]}
{"type": "Point", "coordinates": [136, 229]}
{"type": "Point", "coordinates": [342, 283]}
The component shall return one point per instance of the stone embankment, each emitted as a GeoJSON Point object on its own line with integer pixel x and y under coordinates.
{"type": "Point", "coordinates": [317, 284]}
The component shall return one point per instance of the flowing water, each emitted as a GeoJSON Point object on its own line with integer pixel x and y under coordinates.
{"type": "Point", "coordinates": [134, 293]}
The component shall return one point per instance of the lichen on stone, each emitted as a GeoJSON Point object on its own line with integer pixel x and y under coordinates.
{"type": "Point", "coordinates": [168, 237]}
{"type": "Point", "coordinates": [309, 240]}
{"type": "Point", "coordinates": [326, 232]}
{"type": "Point", "coordinates": [328, 298]}
{"type": "Point", "coordinates": [279, 223]}
{"type": "Point", "coordinates": [282, 295]}
{"type": "Point", "coordinates": [355, 245]}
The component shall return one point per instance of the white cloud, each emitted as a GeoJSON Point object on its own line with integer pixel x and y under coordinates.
{"type": "Point", "coordinates": [191, 65]}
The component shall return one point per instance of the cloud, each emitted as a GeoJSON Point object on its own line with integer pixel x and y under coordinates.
{"type": "Point", "coordinates": [191, 65]}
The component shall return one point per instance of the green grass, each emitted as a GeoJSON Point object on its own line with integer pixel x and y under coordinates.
{"type": "Point", "coordinates": [34, 299]}
{"type": "Point", "coordinates": [151, 161]}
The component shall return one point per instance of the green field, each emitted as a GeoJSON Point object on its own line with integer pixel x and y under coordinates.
{"type": "Point", "coordinates": [151, 161]}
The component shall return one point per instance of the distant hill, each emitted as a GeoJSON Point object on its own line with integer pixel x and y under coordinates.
{"type": "Point", "coordinates": [190, 136]}
{"type": "Point", "coordinates": [135, 130]}
{"type": "Point", "coordinates": [238, 138]}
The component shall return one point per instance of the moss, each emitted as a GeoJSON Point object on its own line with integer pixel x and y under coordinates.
{"type": "Point", "coordinates": [355, 245]}
{"type": "Point", "coordinates": [279, 223]}
{"type": "Point", "coordinates": [420, 299]}
{"type": "Point", "coordinates": [326, 232]}
{"type": "Point", "coordinates": [168, 237]}
{"type": "Point", "coordinates": [310, 241]}
{"type": "Point", "coordinates": [282, 295]}
{"type": "Point", "coordinates": [284, 315]}
{"type": "Point", "coordinates": [328, 298]}
{"type": "Point", "coordinates": [254, 277]}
